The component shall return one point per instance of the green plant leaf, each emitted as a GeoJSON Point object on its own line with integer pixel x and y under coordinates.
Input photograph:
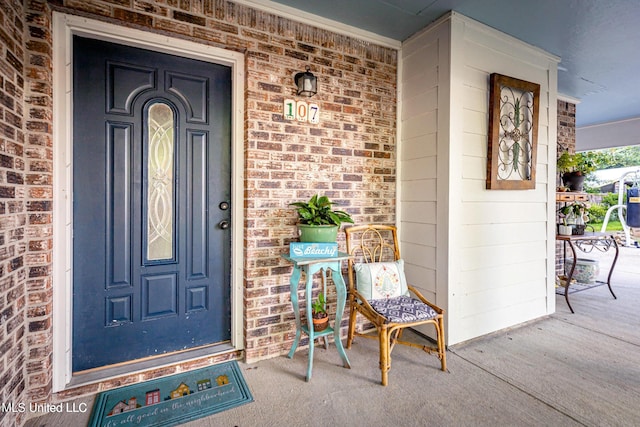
{"type": "Point", "coordinates": [319, 304]}
{"type": "Point", "coordinates": [317, 211]}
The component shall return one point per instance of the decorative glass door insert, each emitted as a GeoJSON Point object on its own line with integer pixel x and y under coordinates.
{"type": "Point", "coordinates": [160, 182]}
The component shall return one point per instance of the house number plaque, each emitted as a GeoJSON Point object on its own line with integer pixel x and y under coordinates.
{"type": "Point", "coordinates": [301, 111]}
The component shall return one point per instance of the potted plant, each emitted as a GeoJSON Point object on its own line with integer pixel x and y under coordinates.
{"type": "Point", "coordinates": [574, 167]}
{"type": "Point", "coordinates": [318, 221]}
{"type": "Point", "coordinates": [319, 313]}
{"type": "Point", "coordinates": [565, 229]}
{"type": "Point", "coordinates": [577, 213]}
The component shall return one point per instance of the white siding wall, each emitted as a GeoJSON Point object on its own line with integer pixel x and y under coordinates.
{"type": "Point", "coordinates": [424, 86]}
{"type": "Point", "coordinates": [492, 250]}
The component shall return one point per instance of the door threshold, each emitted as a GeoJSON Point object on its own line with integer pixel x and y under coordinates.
{"type": "Point", "coordinates": [91, 376]}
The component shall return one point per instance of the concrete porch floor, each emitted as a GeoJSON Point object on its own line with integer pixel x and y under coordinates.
{"type": "Point", "coordinates": [563, 370]}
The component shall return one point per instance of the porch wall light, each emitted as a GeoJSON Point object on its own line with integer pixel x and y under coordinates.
{"type": "Point", "coordinates": [307, 83]}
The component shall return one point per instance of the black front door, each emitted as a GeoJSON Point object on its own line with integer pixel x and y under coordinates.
{"type": "Point", "coordinates": [151, 194]}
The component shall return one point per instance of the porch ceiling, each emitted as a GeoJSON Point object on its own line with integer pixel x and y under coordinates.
{"type": "Point", "coordinates": [597, 40]}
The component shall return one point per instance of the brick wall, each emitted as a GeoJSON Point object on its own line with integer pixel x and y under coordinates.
{"type": "Point", "coordinates": [566, 142]}
{"type": "Point", "coordinates": [566, 127]}
{"type": "Point", "coordinates": [14, 173]}
{"type": "Point", "coordinates": [349, 155]}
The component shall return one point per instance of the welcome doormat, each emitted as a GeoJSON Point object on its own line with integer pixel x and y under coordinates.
{"type": "Point", "coordinates": [173, 400]}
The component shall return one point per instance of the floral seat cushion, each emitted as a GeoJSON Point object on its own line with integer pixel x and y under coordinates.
{"type": "Point", "coordinates": [403, 309]}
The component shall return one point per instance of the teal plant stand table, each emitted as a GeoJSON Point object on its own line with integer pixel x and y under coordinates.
{"type": "Point", "coordinates": [311, 266]}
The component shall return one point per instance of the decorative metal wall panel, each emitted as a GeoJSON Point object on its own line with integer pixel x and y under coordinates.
{"type": "Point", "coordinates": [513, 133]}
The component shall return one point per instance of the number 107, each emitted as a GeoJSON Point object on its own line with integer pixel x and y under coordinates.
{"type": "Point", "coordinates": [301, 111]}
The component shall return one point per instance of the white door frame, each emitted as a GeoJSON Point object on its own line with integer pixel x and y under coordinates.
{"type": "Point", "coordinates": [64, 27]}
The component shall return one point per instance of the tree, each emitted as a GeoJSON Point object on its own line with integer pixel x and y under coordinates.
{"type": "Point", "coordinates": [611, 158]}
{"type": "Point", "coordinates": [620, 157]}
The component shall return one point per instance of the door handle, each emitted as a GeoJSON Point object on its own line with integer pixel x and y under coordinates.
{"type": "Point", "coordinates": [223, 224]}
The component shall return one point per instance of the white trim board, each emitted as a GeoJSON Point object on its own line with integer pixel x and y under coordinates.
{"type": "Point", "coordinates": [621, 133]}
{"type": "Point", "coordinates": [64, 27]}
{"type": "Point", "coordinates": [320, 22]}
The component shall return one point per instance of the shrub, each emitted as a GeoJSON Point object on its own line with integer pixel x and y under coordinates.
{"type": "Point", "coordinates": [611, 199]}
{"type": "Point", "coordinates": [597, 212]}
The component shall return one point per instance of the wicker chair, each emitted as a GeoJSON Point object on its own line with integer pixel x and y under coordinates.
{"type": "Point", "coordinates": [371, 245]}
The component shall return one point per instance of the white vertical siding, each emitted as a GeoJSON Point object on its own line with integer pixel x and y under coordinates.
{"type": "Point", "coordinates": [418, 154]}
{"type": "Point", "coordinates": [488, 253]}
